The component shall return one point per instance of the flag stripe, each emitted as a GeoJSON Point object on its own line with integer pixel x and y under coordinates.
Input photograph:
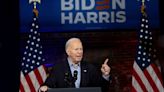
{"type": "Point", "coordinates": [139, 88]}
{"type": "Point", "coordinates": [34, 80]}
{"type": "Point", "coordinates": [30, 83]}
{"type": "Point", "coordinates": [42, 72]}
{"type": "Point", "coordinates": [155, 77]}
{"type": "Point", "coordinates": [138, 79]}
{"type": "Point", "coordinates": [24, 83]}
{"type": "Point", "coordinates": [21, 88]}
{"type": "Point", "coordinates": [142, 77]}
{"type": "Point", "coordinates": [158, 73]}
{"type": "Point", "coordinates": [39, 77]}
{"type": "Point", "coordinates": [151, 82]}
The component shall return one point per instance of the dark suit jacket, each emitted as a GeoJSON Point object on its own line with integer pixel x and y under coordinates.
{"type": "Point", "coordinates": [61, 76]}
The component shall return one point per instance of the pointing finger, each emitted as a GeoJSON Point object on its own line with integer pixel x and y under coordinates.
{"type": "Point", "coordinates": [106, 61]}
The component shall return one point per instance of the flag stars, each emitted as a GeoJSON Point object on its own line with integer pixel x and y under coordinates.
{"type": "Point", "coordinates": [27, 65]}
{"type": "Point", "coordinates": [146, 37]}
{"type": "Point", "coordinates": [141, 36]}
{"type": "Point", "coordinates": [33, 24]}
{"type": "Point", "coordinates": [24, 58]}
{"type": "Point", "coordinates": [34, 56]}
{"type": "Point", "coordinates": [38, 39]}
{"type": "Point", "coordinates": [143, 20]}
{"type": "Point", "coordinates": [39, 58]}
{"type": "Point", "coordinates": [150, 33]}
{"type": "Point", "coordinates": [138, 58]}
{"type": "Point", "coordinates": [146, 32]}
{"type": "Point", "coordinates": [25, 71]}
{"type": "Point", "coordinates": [43, 59]}
{"type": "Point", "coordinates": [22, 64]}
{"type": "Point", "coordinates": [40, 52]}
{"type": "Point", "coordinates": [28, 41]}
{"type": "Point", "coordinates": [139, 52]}
{"type": "Point", "coordinates": [28, 60]}
{"type": "Point", "coordinates": [146, 21]}
{"type": "Point", "coordinates": [32, 43]}
{"type": "Point", "coordinates": [146, 26]}
{"type": "Point", "coordinates": [35, 50]}
{"type": "Point", "coordinates": [25, 52]}
{"type": "Point", "coordinates": [31, 30]}
{"type": "Point", "coordinates": [148, 60]}
{"type": "Point", "coordinates": [31, 48]}
{"type": "Point", "coordinates": [34, 19]}
{"type": "Point", "coordinates": [31, 67]}
{"type": "Point", "coordinates": [141, 30]}
{"type": "Point", "coordinates": [33, 61]}
{"type": "Point", "coordinates": [29, 54]}
{"type": "Point", "coordinates": [140, 47]}
{"type": "Point", "coordinates": [143, 65]}
{"type": "Point", "coordinates": [34, 38]}
{"type": "Point", "coordinates": [37, 45]}
{"type": "Point", "coordinates": [37, 63]}
{"type": "Point", "coordinates": [142, 25]}
{"type": "Point", "coordinates": [37, 26]}
{"type": "Point", "coordinates": [35, 32]}
{"type": "Point", "coordinates": [29, 36]}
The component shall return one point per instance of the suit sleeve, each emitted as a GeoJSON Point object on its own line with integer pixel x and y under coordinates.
{"type": "Point", "coordinates": [51, 80]}
{"type": "Point", "coordinates": [97, 80]}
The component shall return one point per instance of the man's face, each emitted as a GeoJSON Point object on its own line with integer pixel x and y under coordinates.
{"type": "Point", "coordinates": [75, 51]}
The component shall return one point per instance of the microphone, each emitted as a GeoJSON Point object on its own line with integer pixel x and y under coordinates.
{"type": "Point", "coordinates": [75, 75]}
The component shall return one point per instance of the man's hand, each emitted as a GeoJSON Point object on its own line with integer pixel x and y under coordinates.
{"type": "Point", "coordinates": [105, 69]}
{"type": "Point", "coordinates": [43, 89]}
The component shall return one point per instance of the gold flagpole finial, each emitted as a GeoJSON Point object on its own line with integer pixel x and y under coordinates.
{"type": "Point", "coordinates": [143, 8]}
{"type": "Point", "coordinates": [36, 12]}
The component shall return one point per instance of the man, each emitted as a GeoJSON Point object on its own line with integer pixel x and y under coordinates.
{"type": "Point", "coordinates": [74, 72]}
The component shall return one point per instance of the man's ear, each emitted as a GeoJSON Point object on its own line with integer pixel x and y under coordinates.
{"type": "Point", "coordinates": [67, 51]}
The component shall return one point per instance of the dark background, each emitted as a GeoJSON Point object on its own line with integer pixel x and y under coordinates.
{"type": "Point", "coordinates": [10, 38]}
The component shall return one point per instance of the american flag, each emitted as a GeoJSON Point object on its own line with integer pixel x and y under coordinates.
{"type": "Point", "coordinates": [32, 73]}
{"type": "Point", "coordinates": [146, 75]}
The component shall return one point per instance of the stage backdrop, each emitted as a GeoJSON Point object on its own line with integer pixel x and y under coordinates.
{"type": "Point", "coordinates": [84, 15]}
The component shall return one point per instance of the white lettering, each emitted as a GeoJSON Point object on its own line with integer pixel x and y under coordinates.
{"type": "Point", "coordinates": [89, 7]}
{"type": "Point", "coordinates": [66, 5]}
{"type": "Point", "coordinates": [104, 16]}
{"type": "Point", "coordinates": [69, 18]}
{"type": "Point", "coordinates": [120, 17]}
{"type": "Point", "coordinates": [120, 3]}
{"type": "Point", "coordinates": [79, 18]}
{"type": "Point", "coordinates": [92, 17]}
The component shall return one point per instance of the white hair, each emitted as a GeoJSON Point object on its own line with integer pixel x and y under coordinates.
{"type": "Point", "coordinates": [69, 41]}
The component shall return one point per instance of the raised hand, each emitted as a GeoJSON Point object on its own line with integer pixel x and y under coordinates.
{"type": "Point", "coordinates": [105, 69]}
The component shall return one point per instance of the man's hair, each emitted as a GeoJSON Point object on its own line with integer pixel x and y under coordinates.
{"type": "Point", "coordinates": [69, 41]}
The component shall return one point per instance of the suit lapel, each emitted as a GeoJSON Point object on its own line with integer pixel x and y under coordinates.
{"type": "Point", "coordinates": [70, 77]}
{"type": "Point", "coordinates": [83, 75]}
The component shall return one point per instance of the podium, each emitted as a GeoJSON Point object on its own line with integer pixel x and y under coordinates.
{"type": "Point", "coordinates": [83, 89]}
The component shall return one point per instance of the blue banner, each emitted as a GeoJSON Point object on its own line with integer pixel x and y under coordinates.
{"type": "Point", "coordinates": [84, 15]}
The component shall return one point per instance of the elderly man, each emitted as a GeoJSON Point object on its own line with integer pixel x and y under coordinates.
{"type": "Point", "coordinates": [73, 72]}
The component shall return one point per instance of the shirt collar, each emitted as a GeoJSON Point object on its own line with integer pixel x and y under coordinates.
{"type": "Point", "coordinates": [71, 64]}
